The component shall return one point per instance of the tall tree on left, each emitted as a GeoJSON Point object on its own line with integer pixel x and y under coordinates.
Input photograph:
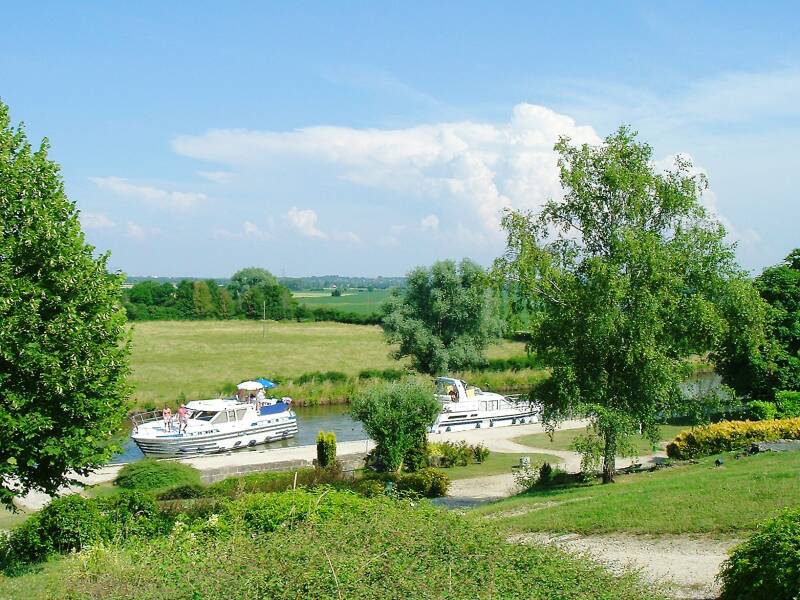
{"type": "Point", "coordinates": [63, 343]}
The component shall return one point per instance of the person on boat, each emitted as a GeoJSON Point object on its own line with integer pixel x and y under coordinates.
{"type": "Point", "coordinates": [260, 397]}
{"type": "Point", "coordinates": [167, 415]}
{"type": "Point", "coordinates": [183, 419]}
{"type": "Point", "coordinates": [453, 395]}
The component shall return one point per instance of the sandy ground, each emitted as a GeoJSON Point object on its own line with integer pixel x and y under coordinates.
{"type": "Point", "coordinates": [685, 566]}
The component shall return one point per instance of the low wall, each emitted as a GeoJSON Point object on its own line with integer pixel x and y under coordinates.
{"type": "Point", "coordinates": [349, 462]}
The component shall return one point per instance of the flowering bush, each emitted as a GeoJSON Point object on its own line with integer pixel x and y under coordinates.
{"type": "Point", "coordinates": [730, 435]}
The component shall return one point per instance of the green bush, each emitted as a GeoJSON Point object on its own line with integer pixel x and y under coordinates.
{"type": "Point", "coordinates": [321, 377]}
{"type": "Point", "coordinates": [185, 491]}
{"type": "Point", "coordinates": [150, 475]}
{"type": "Point", "coordinates": [767, 565]}
{"type": "Point", "coordinates": [480, 453]}
{"type": "Point", "coordinates": [788, 404]}
{"type": "Point", "coordinates": [276, 481]}
{"type": "Point", "coordinates": [369, 487]}
{"type": "Point", "coordinates": [326, 448]}
{"type": "Point", "coordinates": [429, 483]}
{"type": "Point", "coordinates": [759, 410]}
{"type": "Point", "coordinates": [730, 435]}
{"type": "Point", "coordinates": [132, 513]}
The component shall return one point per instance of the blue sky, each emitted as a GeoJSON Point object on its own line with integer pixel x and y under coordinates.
{"type": "Point", "coordinates": [365, 139]}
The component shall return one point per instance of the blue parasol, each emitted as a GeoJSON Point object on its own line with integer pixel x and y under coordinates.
{"type": "Point", "coordinates": [266, 383]}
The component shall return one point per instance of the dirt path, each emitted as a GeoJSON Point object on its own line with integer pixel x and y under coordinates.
{"type": "Point", "coordinates": [685, 566]}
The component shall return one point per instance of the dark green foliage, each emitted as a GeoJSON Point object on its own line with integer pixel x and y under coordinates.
{"type": "Point", "coordinates": [428, 483]}
{"type": "Point", "coordinates": [788, 404]}
{"type": "Point", "coordinates": [767, 565]}
{"type": "Point", "coordinates": [624, 279]}
{"type": "Point", "coordinates": [63, 346]}
{"type": "Point", "coordinates": [515, 363]}
{"type": "Point", "coordinates": [184, 491]}
{"type": "Point", "coordinates": [149, 474]}
{"type": "Point", "coordinates": [445, 318]}
{"type": "Point", "coordinates": [321, 377]}
{"type": "Point", "coordinates": [336, 293]}
{"type": "Point", "coordinates": [326, 448]}
{"type": "Point", "coordinates": [385, 374]}
{"type": "Point", "coordinates": [395, 415]}
{"type": "Point", "coordinates": [454, 454]}
{"type": "Point", "coordinates": [759, 410]}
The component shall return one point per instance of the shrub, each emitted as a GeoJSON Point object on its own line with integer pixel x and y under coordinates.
{"type": "Point", "coordinates": [760, 410]}
{"type": "Point", "coordinates": [730, 435]}
{"type": "Point", "coordinates": [767, 565]}
{"type": "Point", "coordinates": [276, 481]}
{"type": "Point", "coordinates": [545, 473]}
{"type": "Point", "coordinates": [326, 448]}
{"type": "Point", "coordinates": [788, 404]}
{"type": "Point", "coordinates": [429, 483]}
{"type": "Point", "coordinates": [149, 475]}
{"type": "Point", "coordinates": [321, 377]}
{"type": "Point", "coordinates": [183, 492]}
{"type": "Point", "coordinates": [369, 487]}
{"type": "Point", "coordinates": [132, 513]}
{"type": "Point", "coordinates": [455, 454]}
{"type": "Point", "coordinates": [67, 523]}
{"type": "Point", "coordinates": [480, 453]}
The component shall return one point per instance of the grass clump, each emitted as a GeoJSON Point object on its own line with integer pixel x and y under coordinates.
{"type": "Point", "coordinates": [149, 475]}
{"type": "Point", "coordinates": [768, 564]}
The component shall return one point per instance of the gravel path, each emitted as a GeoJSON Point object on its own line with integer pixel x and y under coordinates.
{"type": "Point", "coordinates": [685, 566]}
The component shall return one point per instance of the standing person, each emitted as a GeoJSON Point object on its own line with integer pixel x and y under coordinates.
{"type": "Point", "coordinates": [183, 419]}
{"type": "Point", "coordinates": [167, 415]}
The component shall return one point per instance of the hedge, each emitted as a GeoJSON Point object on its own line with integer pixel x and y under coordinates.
{"type": "Point", "coordinates": [730, 435]}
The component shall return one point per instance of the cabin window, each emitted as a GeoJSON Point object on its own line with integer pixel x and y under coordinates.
{"type": "Point", "coordinates": [204, 415]}
{"type": "Point", "coordinates": [221, 417]}
{"type": "Point", "coordinates": [240, 413]}
{"type": "Point", "coordinates": [483, 406]}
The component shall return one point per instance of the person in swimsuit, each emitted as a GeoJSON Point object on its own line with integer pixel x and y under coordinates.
{"type": "Point", "coordinates": [183, 418]}
{"type": "Point", "coordinates": [167, 415]}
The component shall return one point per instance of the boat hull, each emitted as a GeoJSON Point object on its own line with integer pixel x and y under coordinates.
{"type": "Point", "coordinates": [448, 422]}
{"type": "Point", "coordinates": [177, 444]}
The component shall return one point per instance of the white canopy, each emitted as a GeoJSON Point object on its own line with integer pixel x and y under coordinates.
{"type": "Point", "coordinates": [250, 386]}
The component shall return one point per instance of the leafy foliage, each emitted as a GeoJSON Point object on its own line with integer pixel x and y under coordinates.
{"type": "Point", "coordinates": [759, 366]}
{"type": "Point", "coordinates": [396, 416]}
{"type": "Point", "coordinates": [730, 435]}
{"type": "Point", "coordinates": [326, 448]}
{"type": "Point", "coordinates": [788, 404]}
{"type": "Point", "coordinates": [63, 346]}
{"type": "Point", "coordinates": [149, 474]}
{"type": "Point", "coordinates": [624, 279]}
{"type": "Point", "coordinates": [445, 318]}
{"type": "Point", "coordinates": [759, 410]}
{"type": "Point", "coordinates": [767, 565]}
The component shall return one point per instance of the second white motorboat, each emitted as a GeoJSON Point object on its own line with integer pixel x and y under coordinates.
{"type": "Point", "coordinates": [468, 407]}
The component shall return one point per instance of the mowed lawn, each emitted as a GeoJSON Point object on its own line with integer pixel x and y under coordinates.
{"type": "Point", "coordinates": [199, 358]}
{"type": "Point", "coordinates": [497, 463]}
{"type": "Point", "coordinates": [363, 303]}
{"type": "Point", "coordinates": [563, 438]}
{"type": "Point", "coordinates": [693, 498]}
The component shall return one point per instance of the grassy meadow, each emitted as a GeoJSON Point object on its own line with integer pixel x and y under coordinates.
{"type": "Point", "coordinates": [686, 499]}
{"type": "Point", "coordinates": [203, 358]}
{"type": "Point", "coordinates": [363, 303]}
{"type": "Point", "coordinates": [562, 438]}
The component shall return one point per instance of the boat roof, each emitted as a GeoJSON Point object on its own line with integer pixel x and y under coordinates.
{"type": "Point", "coordinates": [214, 405]}
{"type": "Point", "coordinates": [448, 380]}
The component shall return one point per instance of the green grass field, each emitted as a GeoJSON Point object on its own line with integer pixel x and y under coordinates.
{"type": "Point", "coordinates": [563, 438]}
{"type": "Point", "coordinates": [198, 358]}
{"type": "Point", "coordinates": [363, 303]}
{"type": "Point", "coordinates": [695, 498]}
{"type": "Point", "coordinates": [496, 463]}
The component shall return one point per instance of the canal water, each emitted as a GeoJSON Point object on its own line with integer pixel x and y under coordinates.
{"type": "Point", "coordinates": [310, 421]}
{"type": "Point", "coordinates": [313, 419]}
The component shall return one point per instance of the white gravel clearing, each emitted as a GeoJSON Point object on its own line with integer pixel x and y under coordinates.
{"type": "Point", "coordinates": [685, 566]}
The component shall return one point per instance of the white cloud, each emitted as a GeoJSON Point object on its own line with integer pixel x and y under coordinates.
{"type": "Point", "coordinates": [484, 166]}
{"type": "Point", "coordinates": [136, 231]}
{"type": "Point", "coordinates": [248, 230]}
{"type": "Point", "coordinates": [216, 176]}
{"type": "Point", "coordinates": [429, 223]}
{"type": "Point", "coordinates": [158, 197]}
{"type": "Point", "coordinates": [305, 221]}
{"type": "Point", "coordinates": [95, 221]}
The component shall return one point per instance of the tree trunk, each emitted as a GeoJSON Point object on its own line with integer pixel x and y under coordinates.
{"type": "Point", "coordinates": [609, 458]}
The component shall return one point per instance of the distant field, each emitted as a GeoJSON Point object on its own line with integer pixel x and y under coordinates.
{"type": "Point", "coordinates": [363, 303]}
{"type": "Point", "coordinates": [198, 358]}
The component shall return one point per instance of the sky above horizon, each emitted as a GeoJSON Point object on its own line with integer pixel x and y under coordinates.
{"type": "Point", "coordinates": [366, 139]}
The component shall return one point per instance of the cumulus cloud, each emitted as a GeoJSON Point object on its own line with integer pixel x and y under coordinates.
{"type": "Point", "coordinates": [248, 230]}
{"type": "Point", "coordinates": [429, 223]}
{"type": "Point", "coordinates": [136, 231]}
{"type": "Point", "coordinates": [158, 197]}
{"type": "Point", "coordinates": [484, 166]}
{"type": "Point", "coordinates": [95, 221]}
{"type": "Point", "coordinates": [305, 221]}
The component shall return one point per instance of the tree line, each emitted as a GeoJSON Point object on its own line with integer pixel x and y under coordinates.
{"type": "Point", "coordinates": [251, 293]}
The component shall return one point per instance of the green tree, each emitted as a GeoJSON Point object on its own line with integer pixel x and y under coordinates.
{"type": "Point", "coordinates": [203, 301]}
{"type": "Point", "coordinates": [227, 307]}
{"type": "Point", "coordinates": [396, 416]}
{"type": "Point", "coordinates": [761, 367]}
{"type": "Point", "coordinates": [625, 279]}
{"type": "Point", "coordinates": [251, 277]}
{"type": "Point", "coordinates": [63, 346]}
{"type": "Point", "coordinates": [445, 318]}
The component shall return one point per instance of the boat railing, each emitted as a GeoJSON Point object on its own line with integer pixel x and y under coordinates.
{"type": "Point", "coordinates": [146, 417]}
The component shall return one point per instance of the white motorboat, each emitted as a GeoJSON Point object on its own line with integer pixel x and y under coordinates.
{"type": "Point", "coordinates": [214, 426]}
{"type": "Point", "coordinates": [468, 407]}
